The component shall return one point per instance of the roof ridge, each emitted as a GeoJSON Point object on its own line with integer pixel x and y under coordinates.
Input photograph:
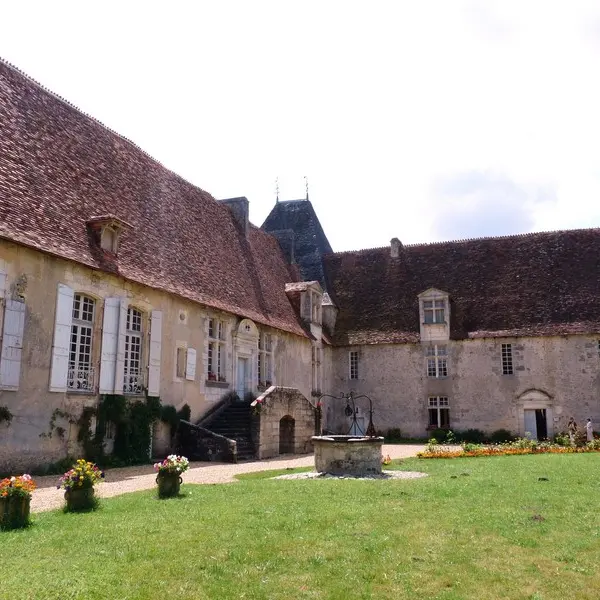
{"type": "Point", "coordinates": [473, 239]}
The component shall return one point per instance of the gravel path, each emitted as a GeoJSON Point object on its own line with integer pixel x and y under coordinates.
{"type": "Point", "coordinates": [132, 479]}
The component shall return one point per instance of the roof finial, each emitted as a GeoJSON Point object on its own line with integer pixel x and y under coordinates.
{"type": "Point", "coordinates": [276, 189]}
{"type": "Point", "coordinates": [306, 182]}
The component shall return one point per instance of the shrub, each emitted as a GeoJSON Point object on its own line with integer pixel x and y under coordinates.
{"type": "Point", "coordinates": [393, 435]}
{"type": "Point", "coordinates": [440, 435]}
{"type": "Point", "coordinates": [562, 439]}
{"type": "Point", "coordinates": [500, 436]}
{"type": "Point", "coordinates": [473, 436]}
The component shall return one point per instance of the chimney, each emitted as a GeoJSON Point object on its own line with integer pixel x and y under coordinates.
{"type": "Point", "coordinates": [239, 209]}
{"type": "Point", "coordinates": [396, 246]}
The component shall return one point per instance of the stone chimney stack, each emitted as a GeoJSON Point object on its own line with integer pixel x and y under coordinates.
{"type": "Point", "coordinates": [240, 208]}
{"type": "Point", "coordinates": [396, 247]}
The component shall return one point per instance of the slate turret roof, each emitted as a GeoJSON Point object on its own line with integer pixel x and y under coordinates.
{"type": "Point", "coordinates": [310, 241]}
{"type": "Point", "coordinates": [538, 284]}
{"type": "Point", "coordinates": [59, 168]}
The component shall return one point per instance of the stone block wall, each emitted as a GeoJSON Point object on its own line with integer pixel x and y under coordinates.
{"type": "Point", "coordinates": [279, 403]}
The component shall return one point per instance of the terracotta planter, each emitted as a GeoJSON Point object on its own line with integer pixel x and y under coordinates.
{"type": "Point", "coordinates": [168, 484]}
{"type": "Point", "coordinates": [14, 512]}
{"type": "Point", "coordinates": [80, 499]}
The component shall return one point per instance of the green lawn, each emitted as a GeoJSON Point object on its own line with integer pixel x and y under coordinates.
{"type": "Point", "coordinates": [477, 528]}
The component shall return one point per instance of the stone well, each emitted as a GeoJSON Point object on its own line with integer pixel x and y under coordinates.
{"type": "Point", "coordinates": [347, 454]}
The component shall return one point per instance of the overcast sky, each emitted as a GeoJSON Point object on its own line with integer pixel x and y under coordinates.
{"type": "Point", "coordinates": [423, 120]}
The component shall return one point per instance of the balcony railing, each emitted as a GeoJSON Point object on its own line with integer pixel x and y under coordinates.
{"type": "Point", "coordinates": [133, 383]}
{"type": "Point", "coordinates": [81, 379]}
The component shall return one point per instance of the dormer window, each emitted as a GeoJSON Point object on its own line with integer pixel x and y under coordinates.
{"type": "Point", "coordinates": [316, 307]}
{"type": "Point", "coordinates": [109, 239]}
{"type": "Point", "coordinates": [108, 230]}
{"type": "Point", "coordinates": [434, 311]}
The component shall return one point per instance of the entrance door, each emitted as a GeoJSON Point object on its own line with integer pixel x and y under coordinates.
{"type": "Point", "coordinates": [287, 427]}
{"type": "Point", "coordinates": [530, 424]}
{"type": "Point", "coordinates": [242, 377]}
{"type": "Point", "coordinates": [541, 424]}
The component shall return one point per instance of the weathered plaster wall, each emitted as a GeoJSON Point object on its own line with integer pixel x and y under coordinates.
{"type": "Point", "coordinates": [566, 370]}
{"type": "Point", "coordinates": [184, 324]}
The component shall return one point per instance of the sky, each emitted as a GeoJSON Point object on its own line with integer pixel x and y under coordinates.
{"type": "Point", "coordinates": [423, 120]}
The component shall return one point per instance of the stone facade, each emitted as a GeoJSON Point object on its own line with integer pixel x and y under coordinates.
{"type": "Point", "coordinates": [285, 423]}
{"type": "Point", "coordinates": [184, 325]}
{"type": "Point", "coordinates": [559, 374]}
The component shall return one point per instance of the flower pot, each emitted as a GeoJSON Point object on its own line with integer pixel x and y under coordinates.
{"type": "Point", "coordinates": [14, 512]}
{"type": "Point", "coordinates": [80, 499]}
{"type": "Point", "coordinates": [168, 484]}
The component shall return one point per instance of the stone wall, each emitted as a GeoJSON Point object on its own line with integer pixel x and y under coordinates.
{"type": "Point", "coordinates": [560, 374]}
{"type": "Point", "coordinates": [279, 403]}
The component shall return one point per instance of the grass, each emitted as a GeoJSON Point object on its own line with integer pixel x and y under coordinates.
{"type": "Point", "coordinates": [484, 528]}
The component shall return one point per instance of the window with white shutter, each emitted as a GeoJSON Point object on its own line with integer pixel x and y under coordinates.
{"type": "Point", "coordinates": [133, 376]}
{"type": "Point", "coordinates": [190, 368]}
{"type": "Point", "coordinates": [80, 376]}
{"type": "Point", "coordinates": [110, 335]}
{"type": "Point", "coordinates": [12, 344]}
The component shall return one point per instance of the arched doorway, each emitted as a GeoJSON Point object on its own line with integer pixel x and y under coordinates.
{"type": "Point", "coordinates": [536, 415]}
{"type": "Point", "coordinates": [287, 426]}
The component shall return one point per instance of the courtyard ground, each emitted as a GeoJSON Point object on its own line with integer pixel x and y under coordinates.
{"type": "Point", "coordinates": [132, 479]}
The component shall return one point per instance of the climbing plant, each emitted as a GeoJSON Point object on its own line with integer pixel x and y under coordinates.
{"type": "Point", "coordinates": [5, 415]}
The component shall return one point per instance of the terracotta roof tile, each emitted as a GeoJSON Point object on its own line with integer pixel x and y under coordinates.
{"type": "Point", "coordinates": [59, 168]}
{"type": "Point", "coordinates": [522, 285]}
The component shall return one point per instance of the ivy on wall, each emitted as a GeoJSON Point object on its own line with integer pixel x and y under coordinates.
{"type": "Point", "coordinates": [132, 424]}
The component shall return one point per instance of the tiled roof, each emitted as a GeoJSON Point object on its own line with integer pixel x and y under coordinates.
{"type": "Point", "coordinates": [59, 168]}
{"type": "Point", "coordinates": [310, 241]}
{"type": "Point", "coordinates": [538, 284]}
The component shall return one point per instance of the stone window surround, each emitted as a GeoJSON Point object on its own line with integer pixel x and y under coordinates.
{"type": "Point", "coordinates": [216, 351]}
{"type": "Point", "coordinates": [180, 361]}
{"type": "Point", "coordinates": [439, 404]}
{"type": "Point", "coordinates": [436, 356]}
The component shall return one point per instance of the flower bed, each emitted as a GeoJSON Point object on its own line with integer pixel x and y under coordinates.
{"type": "Point", "coordinates": [518, 447]}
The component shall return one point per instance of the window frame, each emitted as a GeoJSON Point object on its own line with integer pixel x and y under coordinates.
{"type": "Point", "coordinates": [133, 377]}
{"type": "Point", "coordinates": [353, 365]}
{"type": "Point", "coordinates": [433, 306]}
{"type": "Point", "coordinates": [507, 359]}
{"type": "Point", "coordinates": [438, 405]}
{"type": "Point", "coordinates": [265, 359]}
{"type": "Point", "coordinates": [436, 356]}
{"type": "Point", "coordinates": [216, 351]}
{"type": "Point", "coordinates": [180, 362]}
{"type": "Point", "coordinates": [81, 373]}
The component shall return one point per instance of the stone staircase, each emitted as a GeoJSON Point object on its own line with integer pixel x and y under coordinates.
{"type": "Point", "coordinates": [234, 422]}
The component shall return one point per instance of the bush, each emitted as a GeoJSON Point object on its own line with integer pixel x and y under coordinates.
{"type": "Point", "coordinates": [500, 436]}
{"type": "Point", "coordinates": [440, 435]}
{"type": "Point", "coordinates": [472, 436]}
{"type": "Point", "coordinates": [562, 439]}
{"type": "Point", "coordinates": [393, 435]}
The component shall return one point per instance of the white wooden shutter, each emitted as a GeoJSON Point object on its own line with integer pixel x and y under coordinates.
{"type": "Point", "coordinates": [12, 344]}
{"type": "Point", "coordinates": [62, 339]}
{"type": "Point", "coordinates": [155, 350]}
{"type": "Point", "coordinates": [110, 333]}
{"type": "Point", "coordinates": [120, 366]}
{"type": "Point", "coordinates": [190, 368]}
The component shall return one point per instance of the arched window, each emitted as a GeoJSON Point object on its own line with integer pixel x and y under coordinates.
{"type": "Point", "coordinates": [80, 375]}
{"type": "Point", "coordinates": [133, 381]}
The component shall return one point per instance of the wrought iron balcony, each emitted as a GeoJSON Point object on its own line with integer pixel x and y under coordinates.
{"type": "Point", "coordinates": [81, 379]}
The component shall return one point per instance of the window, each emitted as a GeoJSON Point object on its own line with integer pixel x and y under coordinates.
{"type": "Point", "coordinates": [133, 382]}
{"type": "Point", "coordinates": [265, 359]}
{"type": "Point", "coordinates": [80, 375]}
{"type": "Point", "coordinates": [439, 412]}
{"type": "Point", "coordinates": [109, 239]}
{"type": "Point", "coordinates": [181, 362]}
{"type": "Point", "coordinates": [109, 430]}
{"type": "Point", "coordinates": [216, 350]}
{"type": "Point", "coordinates": [316, 308]}
{"type": "Point", "coordinates": [437, 361]}
{"type": "Point", "coordinates": [353, 358]}
{"type": "Point", "coordinates": [507, 359]}
{"type": "Point", "coordinates": [434, 311]}
{"type": "Point", "coordinates": [316, 369]}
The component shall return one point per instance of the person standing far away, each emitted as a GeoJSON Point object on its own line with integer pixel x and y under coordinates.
{"type": "Point", "coordinates": [589, 430]}
{"type": "Point", "coordinates": [572, 429]}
